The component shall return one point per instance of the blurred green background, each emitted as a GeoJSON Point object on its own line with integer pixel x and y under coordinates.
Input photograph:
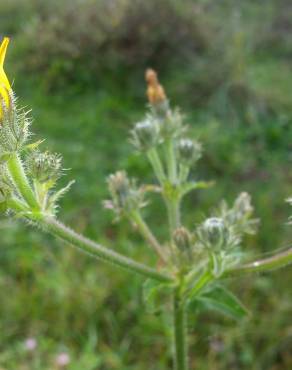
{"type": "Point", "coordinates": [80, 65]}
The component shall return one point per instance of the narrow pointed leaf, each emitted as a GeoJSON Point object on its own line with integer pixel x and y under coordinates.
{"type": "Point", "coordinates": [196, 185]}
{"type": "Point", "coordinates": [223, 301]}
{"type": "Point", "coordinates": [155, 295]}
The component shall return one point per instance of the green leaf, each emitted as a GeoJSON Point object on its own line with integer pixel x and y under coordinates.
{"type": "Point", "coordinates": [4, 157]}
{"type": "Point", "coordinates": [3, 206]}
{"type": "Point", "coordinates": [156, 295]}
{"type": "Point", "coordinates": [195, 185]}
{"type": "Point", "coordinates": [223, 301]}
{"type": "Point", "coordinates": [59, 194]}
{"type": "Point", "coordinates": [34, 145]}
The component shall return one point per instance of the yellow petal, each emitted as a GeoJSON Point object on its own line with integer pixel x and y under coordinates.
{"type": "Point", "coordinates": [3, 49]}
{"type": "Point", "coordinates": [5, 87]}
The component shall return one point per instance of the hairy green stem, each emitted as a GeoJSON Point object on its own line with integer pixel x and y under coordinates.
{"type": "Point", "coordinates": [202, 281]}
{"type": "Point", "coordinates": [20, 180]}
{"type": "Point", "coordinates": [58, 229]}
{"type": "Point", "coordinates": [173, 208]}
{"type": "Point", "coordinates": [147, 234]}
{"type": "Point", "coordinates": [171, 161]}
{"type": "Point", "coordinates": [180, 332]}
{"type": "Point", "coordinates": [156, 165]}
{"type": "Point", "coordinates": [267, 264]}
{"type": "Point", "coordinates": [17, 205]}
{"type": "Point", "coordinates": [183, 173]}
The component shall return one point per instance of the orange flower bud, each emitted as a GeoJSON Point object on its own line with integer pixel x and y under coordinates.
{"type": "Point", "coordinates": [155, 92]}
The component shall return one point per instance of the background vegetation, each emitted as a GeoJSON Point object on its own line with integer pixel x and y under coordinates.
{"type": "Point", "coordinates": [79, 65]}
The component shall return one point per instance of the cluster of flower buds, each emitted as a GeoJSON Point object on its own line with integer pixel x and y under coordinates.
{"type": "Point", "coordinates": [163, 128]}
{"type": "Point", "coordinates": [226, 230]}
{"type": "Point", "coordinates": [14, 123]}
{"type": "Point", "coordinates": [26, 179]}
{"type": "Point", "coordinates": [221, 235]}
{"type": "Point", "coordinates": [239, 217]}
{"type": "Point", "coordinates": [44, 167]}
{"type": "Point", "coordinates": [126, 197]}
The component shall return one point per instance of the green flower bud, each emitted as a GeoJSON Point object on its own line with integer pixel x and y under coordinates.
{"type": "Point", "coordinates": [171, 125]}
{"type": "Point", "coordinates": [14, 127]}
{"type": "Point", "coordinates": [242, 205]}
{"type": "Point", "coordinates": [125, 196]}
{"type": "Point", "coordinates": [189, 151]}
{"type": "Point", "coordinates": [182, 239]}
{"type": "Point", "coordinates": [146, 134]}
{"type": "Point", "coordinates": [119, 186]}
{"type": "Point", "coordinates": [44, 166]}
{"type": "Point", "coordinates": [214, 234]}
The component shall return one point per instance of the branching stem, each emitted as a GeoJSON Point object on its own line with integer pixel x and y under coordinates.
{"type": "Point", "coordinates": [58, 229]}
{"type": "Point", "coordinates": [147, 234]}
{"type": "Point", "coordinates": [267, 264]}
{"type": "Point", "coordinates": [20, 180]}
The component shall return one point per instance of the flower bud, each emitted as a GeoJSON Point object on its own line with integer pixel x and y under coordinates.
{"type": "Point", "coordinates": [125, 196]}
{"type": "Point", "coordinates": [145, 134]}
{"type": "Point", "coordinates": [155, 92]}
{"type": "Point", "coordinates": [182, 239]}
{"type": "Point", "coordinates": [242, 205]}
{"type": "Point", "coordinates": [44, 166]}
{"type": "Point", "coordinates": [213, 233]}
{"type": "Point", "coordinates": [189, 151]}
{"type": "Point", "coordinates": [119, 186]}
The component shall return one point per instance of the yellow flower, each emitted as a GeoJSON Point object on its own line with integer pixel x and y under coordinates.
{"type": "Point", "coordinates": [5, 87]}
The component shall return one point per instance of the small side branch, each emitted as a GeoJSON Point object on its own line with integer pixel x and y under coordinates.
{"type": "Point", "coordinates": [58, 229]}
{"type": "Point", "coordinates": [267, 264]}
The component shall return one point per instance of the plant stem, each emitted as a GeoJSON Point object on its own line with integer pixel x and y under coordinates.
{"type": "Point", "coordinates": [17, 205]}
{"type": "Point", "coordinates": [58, 229]}
{"type": "Point", "coordinates": [183, 173]}
{"type": "Point", "coordinates": [147, 234]}
{"type": "Point", "coordinates": [171, 161]}
{"type": "Point", "coordinates": [180, 332]}
{"type": "Point", "coordinates": [203, 280]}
{"type": "Point", "coordinates": [267, 264]}
{"type": "Point", "coordinates": [157, 165]}
{"type": "Point", "coordinates": [20, 180]}
{"type": "Point", "coordinates": [173, 208]}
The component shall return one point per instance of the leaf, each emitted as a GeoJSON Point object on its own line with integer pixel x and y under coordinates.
{"type": "Point", "coordinates": [3, 206]}
{"type": "Point", "coordinates": [222, 300]}
{"type": "Point", "coordinates": [195, 185]}
{"type": "Point", "coordinates": [156, 295]}
{"type": "Point", "coordinates": [56, 196]}
{"type": "Point", "coordinates": [4, 157]}
{"type": "Point", "coordinates": [34, 145]}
